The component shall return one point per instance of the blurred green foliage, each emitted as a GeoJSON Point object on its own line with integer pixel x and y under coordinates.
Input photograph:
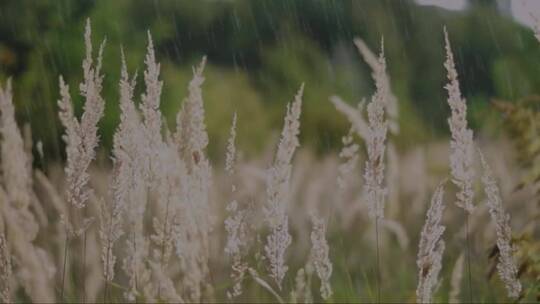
{"type": "Point", "coordinates": [260, 52]}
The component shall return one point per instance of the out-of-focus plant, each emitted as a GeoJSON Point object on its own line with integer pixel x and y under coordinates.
{"type": "Point", "coordinates": [522, 123]}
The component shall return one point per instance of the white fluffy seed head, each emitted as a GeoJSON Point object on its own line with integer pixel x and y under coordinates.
{"type": "Point", "coordinates": [277, 189]}
{"type": "Point", "coordinates": [354, 115]}
{"type": "Point", "coordinates": [320, 256]}
{"type": "Point", "coordinates": [392, 106]}
{"type": "Point", "coordinates": [82, 137]}
{"type": "Point", "coordinates": [431, 248]}
{"type": "Point", "coordinates": [375, 190]}
{"type": "Point", "coordinates": [506, 265]}
{"type": "Point", "coordinates": [16, 167]}
{"type": "Point", "coordinates": [151, 98]}
{"type": "Point", "coordinates": [461, 144]}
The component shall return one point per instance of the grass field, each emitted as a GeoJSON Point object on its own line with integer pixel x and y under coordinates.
{"type": "Point", "coordinates": [157, 220]}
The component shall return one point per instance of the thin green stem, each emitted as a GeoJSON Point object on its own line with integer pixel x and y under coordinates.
{"type": "Point", "coordinates": [378, 261]}
{"type": "Point", "coordinates": [468, 257]}
{"type": "Point", "coordinates": [64, 267]}
{"type": "Point", "coordinates": [83, 273]}
{"type": "Point", "coordinates": [105, 291]}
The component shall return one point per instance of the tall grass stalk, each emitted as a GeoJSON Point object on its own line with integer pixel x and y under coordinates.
{"type": "Point", "coordinates": [81, 136]}
{"type": "Point", "coordinates": [376, 146]}
{"type": "Point", "coordinates": [506, 266]}
{"type": "Point", "coordinates": [278, 184]}
{"type": "Point", "coordinates": [461, 148]}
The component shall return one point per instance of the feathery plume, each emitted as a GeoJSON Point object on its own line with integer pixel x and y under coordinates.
{"type": "Point", "coordinates": [277, 190]}
{"type": "Point", "coordinates": [21, 226]}
{"type": "Point", "coordinates": [151, 98]}
{"type": "Point", "coordinates": [506, 267]}
{"type": "Point", "coordinates": [391, 101]}
{"type": "Point", "coordinates": [32, 270]}
{"type": "Point", "coordinates": [461, 145]}
{"type": "Point", "coordinates": [15, 164]}
{"type": "Point", "coordinates": [431, 248]}
{"type": "Point", "coordinates": [377, 126]}
{"type": "Point", "coordinates": [111, 215]}
{"type": "Point", "coordinates": [130, 173]}
{"type": "Point", "coordinates": [236, 246]}
{"type": "Point", "coordinates": [164, 173]}
{"type": "Point", "coordinates": [320, 256]}
{"type": "Point", "coordinates": [162, 170]}
{"type": "Point", "coordinates": [152, 122]}
{"type": "Point", "coordinates": [16, 172]}
{"type": "Point", "coordinates": [355, 116]}
{"type": "Point", "coordinates": [235, 224]}
{"type": "Point", "coordinates": [191, 134]}
{"type": "Point", "coordinates": [81, 137]}
{"type": "Point", "coordinates": [195, 221]}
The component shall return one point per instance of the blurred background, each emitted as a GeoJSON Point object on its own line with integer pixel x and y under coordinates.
{"type": "Point", "coordinates": [259, 53]}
